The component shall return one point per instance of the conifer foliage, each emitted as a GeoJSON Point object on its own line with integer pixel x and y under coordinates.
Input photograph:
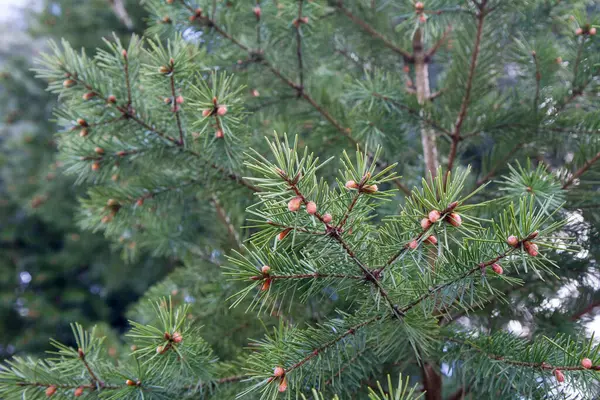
{"type": "Point", "coordinates": [313, 269]}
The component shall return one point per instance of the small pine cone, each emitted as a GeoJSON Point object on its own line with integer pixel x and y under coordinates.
{"type": "Point", "coordinates": [432, 240]}
{"type": "Point", "coordinates": [560, 377]}
{"type": "Point", "coordinates": [434, 216]}
{"type": "Point", "coordinates": [497, 268]}
{"type": "Point", "coordinates": [586, 363]}
{"type": "Point", "coordinates": [129, 382]}
{"type": "Point", "coordinates": [99, 150]}
{"type": "Point", "coordinates": [207, 112]}
{"type": "Point", "coordinates": [592, 31]}
{"type": "Point", "coordinates": [282, 385]}
{"type": "Point", "coordinates": [294, 204]}
{"type": "Point", "coordinates": [179, 99]}
{"type": "Point", "coordinates": [50, 390]}
{"type": "Point", "coordinates": [454, 219]}
{"type": "Point", "coordinates": [265, 269]}
{"type": "Point", "coordinates": [351, 185]}
{"type": "Point", "coordinates": [88, 95]}
{"type": "Point", "coordinates": [311, 208]}
{"type": "Point", "coordinates": [221, 110]}
{"type": "Point", "coordinates": [327, 218]}
{"type": "Point", "coordinates": [219, 134]}
{"type": "Point", "coordinates": [266, 285]}
{"type": "Point", "coordinates": [425, 223]}
{"type": "Point", "coordinates": [95, 166]}
{"type": "Point", "coordinates": [112, 99]}
{"type": "Point", "coordinates": [413, 244]}
{"type": "Point", "coordinates": [512, 241]}
{"type": "Point", "coordinates": [84, 132]}
{"type": "Point", "coordinates": [78, 392]}
{"type": "Point", "coordinates": [177, 338]}
{"type": "Point", "coordinates": [578, 31]}
{"type": "Point", "coordinates": [278, 372]}
{"type": "Point", "coordinates": [67, 83]}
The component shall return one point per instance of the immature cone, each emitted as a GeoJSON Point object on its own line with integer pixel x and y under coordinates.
{"type": "Point", "coordinates": [592, 31]}
{"type": "Point", "coordinates": [455, 220]}
{"type": "Point", "coordinates": [327, 218]}
{"type": "Point", "coordinates": [78, 392]}
{"type": "Point", "coordinates": [282, 386]}
{"type": "Point", "coordinates": [88, 95]}
{"type": "Point", "coordinates": [497, 268]}
{"type": "Point", "coordinates": [95, 166]}
{"type": "Point", "coordinates": [99, 150]}
{"type": "Point", "coordinates": [84, 132]}
{"type": "Point", "coordinates": [432, 240]}
{"type": "Point", "coordinates": [222, 110]}
{"type": "Point", "coordinates": [219, 134]}
{"type": "Point", "coordinates": [82, 122]}
{"type": "Point", "coordinates": [177, 338]}
{"type": "Point", "coordinates": [112, 99]}
{"type": "Point", "coordinates": [266, 285]}
{"type": "Point", "coordinates": [256, 11]}
{"type": "Point", "coordinates": [413, 244]}
{"type": "Point", "coordinates": [294, 204]}
{"type": "Point", "coordinates": [425, 223]}
{"type": "Point", "coordinates": [434, 216]}
{"type": "Point", "coordinates": [512, 241]}
{"type": "Point", "coordinates": [179, 100]}
{"type": "Point", "coordinates": [351, 185]}
{"type": "Point", "coordinates": [129, 382]}
{"type": "Point", "coordinates": [560, 377]}
{"type": "Point", "coordinates": [586, 363]}
{"type": "Point", "coordinates": [206, 113]}
{"type": "Point", "coordinates": [578, 31]}
{"type": "Point", "coordinates": [265, 269]}
{"type": "Point", "coordinates": [67, 83]}
{"type": "Point", "coordinates": [311, 207]}
{"type": "Point", "coordinates": [160, 349]}
{"type": "Point", "coordinates": [50, 391]}
{"type": "Point", "coordinates": [278, 372]}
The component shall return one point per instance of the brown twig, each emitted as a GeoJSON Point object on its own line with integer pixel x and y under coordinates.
{"type": "Point", "coordinates": [176, 108]}
{"type": "Point", "coordinates": [587, 165]}
{"type": "Point", "coordinates": [588, 309]}
{"type": "Point", "coordinates": [299, 46]}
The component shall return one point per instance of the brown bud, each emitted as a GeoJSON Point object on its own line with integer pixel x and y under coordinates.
{"type": "Point", "coordinates": [166, 19]}
{"type": "Point", "coordinates": [283, 233]}
{"type": "Point", "coordinates": [88, 95]}
{"type": "Point", "coordinates": [578, 31]}
{"type": "Point", "coordinates": [129, 382]}
{"type": "Point", "coordinates": [425, 223]}
{"type": "Point", "coordinates": [99, 150]}
{"type": "Point", "coordinates": [67, 83]}
{"type": "Point", "coordinates": [512, 241]}
{"type": "Point", "coordinates": [80, 353]}
{"type": "Point", "coordinates": [206, 113]}
{"type": "Point", "coordinates": [278, 372]}
{"type": "Point", "coordinates": [351, 185]}
{"type": "Point", "coordinates": [370, 189]}
{"type": "Point", "coordinates": [592, 31]}
{"type": "Point", "coordinates": [266, 285]}
{"type": "Point", "coordinates": [95, 166]}
{"type": "Point", "coordinates": [160, 349]}
{"type": "Point", "coordinates": [78, 392]}
{"type": "Point", "coordinates": [50, 390]}
{"type": "Point", "coordinates": [497, 268]}
{"type": "Point", "coordinates": [112, 99]}
{"type": "Point", "coordinates": [419, 5]}
{"type": "Point", "coordinates": [112, 203]}
{"type": "Point", "coordinates": [124, 53]}
{"type": "Point", "coordinates": [586, 363]}
{"type": "Point", "coordinates": [167, 100]}
{"type": "Point", "coordinates": [84, 132]}
{"type": "Point", "coordinates": [82, 122]}
{"type": "Point", "coordinates": [434, 216]}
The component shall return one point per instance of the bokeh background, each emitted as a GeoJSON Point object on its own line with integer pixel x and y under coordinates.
{"type": "Point", "coordinates": [51, 272]}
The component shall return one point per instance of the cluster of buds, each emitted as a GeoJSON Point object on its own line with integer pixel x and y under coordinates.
{"type": "Point", "coordinates": [529, 246]}
{"type": "Point", "coordinates": [434, 216]}
{"type": "Point", "coordinates": [78, 392]}
{"type": "Point", "coordinates": [130, 382]}
{"type": "Point", "coordinates": [420, 11]}
{"type": "Point", "coordinates": [50, 390]}
{"type": "Point", "coordinates": [197, 14]}
{"type": "Point", "coordinates": [586, 30]}
{"type": "Point", "coordinates": [164, 69]}
{"type": "Point", "coordinates": [267, 280]}
{"type": "Point", "coordinates": [113, 206]}
{"type": "Point", "coordinates": [279, 373]}
{"type": "Point", "coordinates": [361, 185]}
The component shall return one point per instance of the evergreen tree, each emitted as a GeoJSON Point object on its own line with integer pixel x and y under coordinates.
{"type": "Point", "coordinates": [313, 269]}
{"type": "Point", "coordinates": [53, 273]}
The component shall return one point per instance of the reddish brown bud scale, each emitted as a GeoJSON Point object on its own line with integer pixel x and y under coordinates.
{"type": "Point", "coordinates": [425, 223]}
{"type": "Point", "coordinates": [129, 382]}
{"type": "Point", "coordinates": [586, 363]}
{"type": "Point", "coordinates": [112, 99]}
{"type": "Point", "coordinates": [88, 95]}
{"type": "Point", "coordinates": [282, 385]}
{"type": "Point", "coordinates": [452, 205]}
{"type": "Point", "coordinates": [84, 132]}
{"type": "Point", "coordinates": [278, 372]}
{"type": "Point", "coordinates": [177, 338]}
{"type": "Point", "coordinates": [221, 110]}
{"type": "Point", "coordinates": [327, 218]}
{"type": "Point", "coordinates": [82, 122]}
{"type": "Point", "coordinates": [432, 240]}
{"type": "Point", "coordinates": [219, 134]}
{"type": "Point", "coordinates": [50, 390]}
{"type": "Point", "coordinates": [512, 241]}
{"type": "Point", "coordinates": [160, 349]}
{"type": "Point", "coordinates": [351, 185]}
{"type": "Point", "coordinates": [266, 285]}
{"type": "Point", "coordinates": [533, 235]}
{"type": "Point", "coordinates": [95, 166]}
{"type": "Point", "coordinates": [294, 204]}
{"type": "Point", "coordinates": [283, 233]}
{"type": "Point", "coordinates": [311, 208]}
{"type": "Point", "coordinates": [497, 268]}
{"type": "Point", "coordinates": [99, 150]}
{"type": "Point", "coordinates": [531, 248]}
{"type": "Point", "coordinates": [413, 244]}
{"type": "Point", "coordinates": [67, 83]}
{"type": "Point", "coordinates": [434, 216]}
{"type": "Point", "coordinates": [560, 377]}
{"type": "Point", "coordinates": [78, 392]}
{"type": "Point", "coordinates": [164, 70]}
{"type": "Point", "coordinates": [454, 219]}
{"type": "Point", "coordinates": [370, 189]}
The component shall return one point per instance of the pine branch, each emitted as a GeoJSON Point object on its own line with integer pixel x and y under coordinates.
{"type": "Point", "coordinates": [95, 380]}
{"type": "Point", "coordinates": [538, 78]}
{"type": "Point", "coordinates": [471, 75]}
{"type": "Point", "coordinates": [176, 108]}
{"type": "Point", "coordinates": [299, 45]}
{"type": "Point", "coordinates": [587, 165]}
{"type": "Point", "coordinates": [373, 32]}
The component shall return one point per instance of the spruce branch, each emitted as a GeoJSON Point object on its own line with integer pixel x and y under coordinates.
{"type": "Point", "coordinates": [460, 119]}
{"type": "Point", "coordinates": [408, 57]}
